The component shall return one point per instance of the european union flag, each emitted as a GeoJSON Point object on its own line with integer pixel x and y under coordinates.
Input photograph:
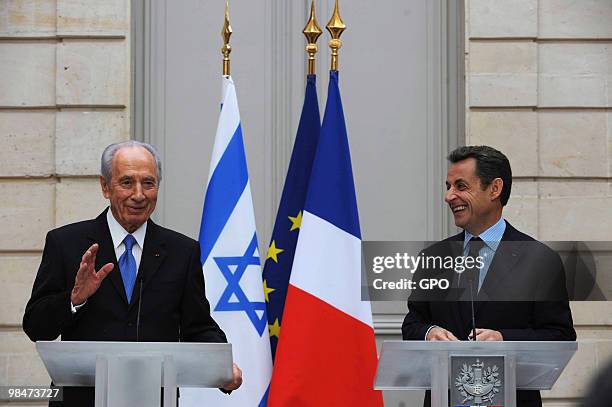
{"type": "Point", "coordinates": [279, 258]}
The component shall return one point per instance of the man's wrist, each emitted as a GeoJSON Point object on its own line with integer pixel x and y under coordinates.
{"type": "Point", "coordinates": [430, 328]}
{"type": "Point", "coordinates": [75, 308]}
{"type": "Point", "coordinates": [75, 300]}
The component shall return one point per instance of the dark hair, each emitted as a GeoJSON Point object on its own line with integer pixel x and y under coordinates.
{"type": "Point", "coordinates": [490, 164]}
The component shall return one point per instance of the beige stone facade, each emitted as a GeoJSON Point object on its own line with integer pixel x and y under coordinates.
{"type": "Point", "coordinates": [538, 86]}
{"type": "Point", "coordinates": [64, 95]}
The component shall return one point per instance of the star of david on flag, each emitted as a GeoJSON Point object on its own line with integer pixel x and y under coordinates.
{"type": "Point", "coordinates": [233, 288]}
{"type": "Point", "coordinates": [231, 264]}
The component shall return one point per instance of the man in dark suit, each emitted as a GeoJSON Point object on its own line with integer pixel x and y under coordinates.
{"type": "Point", "coordinates": [515, 268]}
{"type": "Point", "coordinates": [96, 274]}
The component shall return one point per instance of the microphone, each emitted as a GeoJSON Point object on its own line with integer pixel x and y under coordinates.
{"type": "Point", "coordinates": [138, 315]}
{"type": "Point", "coordinates": [473, 277]}
{"type": "Point", "coordinates": [472, 306]}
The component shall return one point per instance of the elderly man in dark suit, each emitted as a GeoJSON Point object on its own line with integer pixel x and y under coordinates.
{"type": "Point", "coordinates": [514, 265]}
{"type": "Point", "coordinates": [95, 273]}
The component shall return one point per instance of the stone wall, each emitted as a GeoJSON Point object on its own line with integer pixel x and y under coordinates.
{"type": "Point", "coordinates": [539, 87]}
{"type": "Point", "coordinates": [64, 95]}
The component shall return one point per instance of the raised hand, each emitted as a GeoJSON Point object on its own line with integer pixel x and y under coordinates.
{"type": "Point", "coordinates": [88, 280]}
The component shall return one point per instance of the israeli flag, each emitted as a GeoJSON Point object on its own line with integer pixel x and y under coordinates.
{"type": "Point", "coordinates": [231, 264]}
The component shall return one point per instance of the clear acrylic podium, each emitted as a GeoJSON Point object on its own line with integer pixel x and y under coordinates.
{"type": "Point", "coordinates": [422, 365]}
{"type": "Point", "coordinates": [130, 374]}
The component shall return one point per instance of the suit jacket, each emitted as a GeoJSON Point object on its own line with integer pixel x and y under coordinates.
{"type": "Point", "coordinates": [523, 269]}
{"type": "Point", "coordinates": [173, 304]}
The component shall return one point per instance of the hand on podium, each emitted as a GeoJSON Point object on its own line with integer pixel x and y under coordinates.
{"type": "Point", "coordinates": [236, 379]}
{"type": "Point", "coordinates": [88, 280]}
{"type": "Point", "coordinates": [440, 334]}
{"type": "Point", "coordinates": [487, 335]}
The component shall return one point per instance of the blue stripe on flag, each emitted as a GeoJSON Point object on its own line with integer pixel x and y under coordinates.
{"type": "Point", "coordinates": [264, 399]}
{"type": "Point", "coordinates": [226, 185]}
{"type": "Point", "coordinates": [331, 193]}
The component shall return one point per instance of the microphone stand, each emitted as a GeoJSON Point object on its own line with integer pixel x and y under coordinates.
{"type": "Point", "coordinates": [138, 315]}
{"type": "Point", "coordinates": [472, 306]}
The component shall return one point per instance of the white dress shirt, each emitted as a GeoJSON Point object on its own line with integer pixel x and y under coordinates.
{"type": "Point", "coordinates": [118, 233]}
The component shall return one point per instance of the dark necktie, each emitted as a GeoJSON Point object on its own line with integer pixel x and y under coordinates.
{"type": "Point", "coordinates": [473, 273]}
{"type": "Point", "coordinates": [127, 266]}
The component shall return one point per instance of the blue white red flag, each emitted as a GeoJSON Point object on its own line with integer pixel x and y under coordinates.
{"type": "Point", "coordinates": [326, 354]}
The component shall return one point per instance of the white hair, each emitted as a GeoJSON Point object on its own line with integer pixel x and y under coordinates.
{"type": "Point", "coordinates": [106, 167]}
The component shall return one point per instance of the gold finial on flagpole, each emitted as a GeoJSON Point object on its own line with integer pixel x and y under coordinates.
{"type": "Point", "coordinates": [226, 33]}
{"type": "Point", "coordinates": [312, 32]}
{"type": "Point", "coordinates": [336, 27]}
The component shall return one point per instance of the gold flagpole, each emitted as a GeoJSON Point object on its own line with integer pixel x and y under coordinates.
{"type": "Point", "coordinates": [312, 32]}
{"type": "Point", "coordinates": [336, 27]}
{"type": "Point", "coordinates": [226, 33]}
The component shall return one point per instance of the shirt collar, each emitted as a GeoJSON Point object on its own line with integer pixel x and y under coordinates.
{"type": "Point", "coordinates": [492, 236]}
{"type": "Point", "coordinates": [118, 233]}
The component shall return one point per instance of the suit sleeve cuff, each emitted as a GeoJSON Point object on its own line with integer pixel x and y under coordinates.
{"type": "Point", "coordinates": [429, 329]}
{"type": "Point", "coordinates": [75, 308]}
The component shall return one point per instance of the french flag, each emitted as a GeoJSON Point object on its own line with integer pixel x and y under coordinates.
{"type": "Point", "coordinates": [326, 354]}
